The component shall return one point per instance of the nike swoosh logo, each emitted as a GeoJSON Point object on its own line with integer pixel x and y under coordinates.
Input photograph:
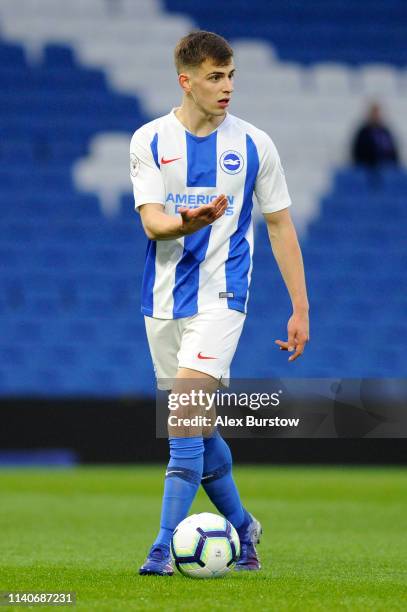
{"type": "Point", "coordinates": [173, 472]}
{"type": "Point", "coordinates": [205, 477]}
{"type": "Point", "coordinates": [168, 161]}
{"type": "Point", "coordinates": [200, 356]}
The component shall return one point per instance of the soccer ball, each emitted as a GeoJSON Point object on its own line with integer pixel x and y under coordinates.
{"type": "Point", "coordinates": [205, 546]}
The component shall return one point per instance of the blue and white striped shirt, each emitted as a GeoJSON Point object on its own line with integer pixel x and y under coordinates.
{"type": "Point", "coordinates": [168, 165]}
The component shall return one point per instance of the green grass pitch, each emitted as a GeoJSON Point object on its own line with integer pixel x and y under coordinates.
{"type": "Point", "coordinates": [334, 539]}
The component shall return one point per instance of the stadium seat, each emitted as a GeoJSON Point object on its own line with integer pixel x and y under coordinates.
{"type": "Point", "coordinates": [70, 276]}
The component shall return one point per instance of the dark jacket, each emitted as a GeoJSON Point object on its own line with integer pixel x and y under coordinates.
{"type": "Point", "coordinates": [374, 145]}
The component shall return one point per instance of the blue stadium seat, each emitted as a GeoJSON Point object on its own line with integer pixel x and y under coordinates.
{"type": "Point", "coordinates": [309, 32]}
{"type": "Point", "coordinates": [12, 55]}
{"type": "Point", "coordinates": [58, 56]}
{"type": "Point", "coordinates": [69, 277]}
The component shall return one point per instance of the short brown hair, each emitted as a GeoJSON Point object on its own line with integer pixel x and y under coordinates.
{"type": "Point", "coordinates": [196, 47]}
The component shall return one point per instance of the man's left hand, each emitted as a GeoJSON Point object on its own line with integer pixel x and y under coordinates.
{"type": "Point", "coordinates": [298, 335]}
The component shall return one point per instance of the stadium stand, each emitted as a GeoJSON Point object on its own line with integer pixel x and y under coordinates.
{"type": "Point", "coordinates": [355, 256]}
{"type": "Point", "coordinates": [313, 31]}
{"type": "Point", "coordinates": [70, 273]}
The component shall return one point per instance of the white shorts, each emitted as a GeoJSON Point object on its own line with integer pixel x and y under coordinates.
{"type": "Point", "coordinates": [205, 342]}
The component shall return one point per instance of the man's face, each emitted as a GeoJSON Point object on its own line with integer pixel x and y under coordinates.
{"type": "Point", "coordinates": [375, 114]}
{"type": "Point", "coordinates": [212, 87]}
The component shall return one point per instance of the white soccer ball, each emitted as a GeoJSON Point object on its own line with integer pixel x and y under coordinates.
{"type": "Point", "coordinates": [205, 545]}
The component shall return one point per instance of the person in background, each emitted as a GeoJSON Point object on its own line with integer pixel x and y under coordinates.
{"type": "Point", "coordinates": [374, 144]}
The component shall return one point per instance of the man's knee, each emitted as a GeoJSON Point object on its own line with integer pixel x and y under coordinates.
{"type": "Point", "coordinates": [193, 414]}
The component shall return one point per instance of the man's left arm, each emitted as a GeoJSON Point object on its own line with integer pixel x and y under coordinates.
{"type": "Point", "coordinates": [287, 252]}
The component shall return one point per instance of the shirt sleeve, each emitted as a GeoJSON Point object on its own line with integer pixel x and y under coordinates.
{"type": "Point", "coordinates": [148, 185]}
{"type": "Point", "coordinates": [271, 187]}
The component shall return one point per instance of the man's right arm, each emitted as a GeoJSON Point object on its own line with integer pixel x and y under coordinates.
{"type": "Point", "coordinates": [149, 196]}
{"type": "Point", "coordinates": [160, 226]}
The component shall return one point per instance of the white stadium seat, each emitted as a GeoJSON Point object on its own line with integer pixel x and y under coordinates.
{"type": "Point", "coordinates": [252, 55]}
{"type": "Point", "coordinates": [331, 78]}
{"type": "Point", "coordinates": [379, 80]}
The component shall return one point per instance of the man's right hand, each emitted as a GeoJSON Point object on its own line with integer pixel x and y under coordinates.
{"type": "Point", "coordinates": [194, 219]}
{"type": "Point", "coordinates": [160, 226]}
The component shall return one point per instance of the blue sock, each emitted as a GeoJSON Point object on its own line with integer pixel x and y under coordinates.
{"type": "Point", "coordinates": [217, 480]}
{"type": "Point", "coordinates": [182, 480]}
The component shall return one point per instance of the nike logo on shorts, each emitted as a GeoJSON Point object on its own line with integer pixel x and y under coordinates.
{"type": "Point", "coordinates": [200, 356]}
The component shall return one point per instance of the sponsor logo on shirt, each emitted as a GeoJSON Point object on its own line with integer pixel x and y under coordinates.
{"type": "Point", "coordinates": [194, 200]}
{"type": "Point", "coordinates": [231, 162]}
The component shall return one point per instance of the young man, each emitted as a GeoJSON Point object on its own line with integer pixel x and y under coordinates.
{"type": "Point", "coordinates": [194, 172]}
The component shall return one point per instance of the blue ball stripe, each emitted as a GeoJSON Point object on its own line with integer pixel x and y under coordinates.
{"type": "Point", "coordinates": [196, 556]}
